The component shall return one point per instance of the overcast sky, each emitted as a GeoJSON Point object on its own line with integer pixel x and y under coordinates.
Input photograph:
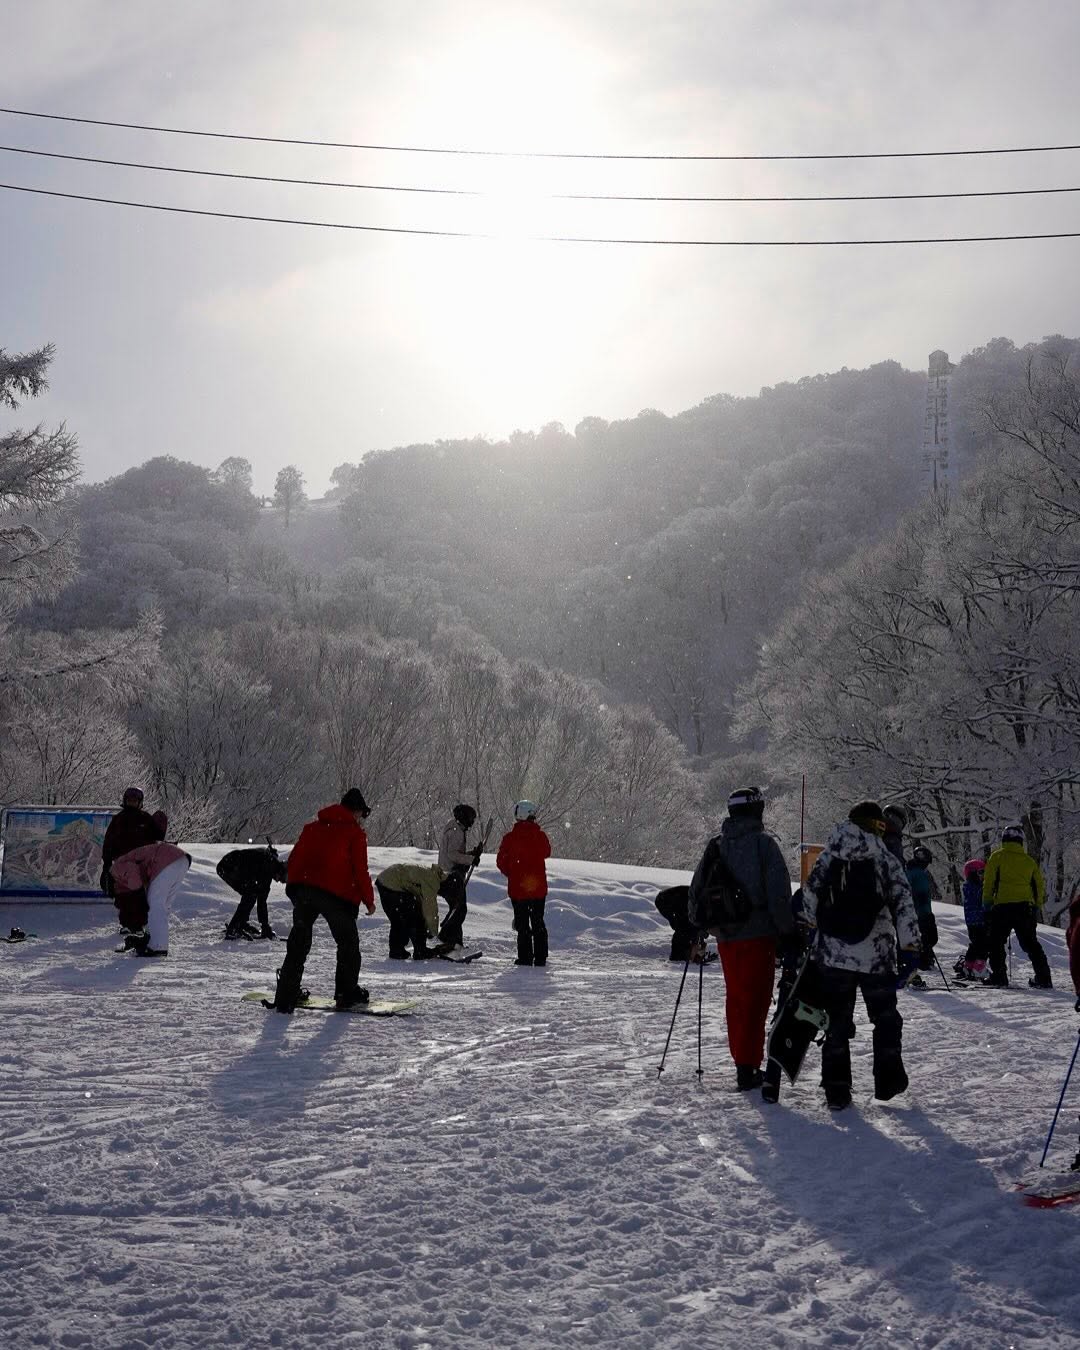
{"type": "Point", "coordinates": [205, 338]}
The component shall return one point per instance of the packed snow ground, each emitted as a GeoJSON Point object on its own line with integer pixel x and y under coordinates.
{"type": "Point", "coordinates": [504, 1168]}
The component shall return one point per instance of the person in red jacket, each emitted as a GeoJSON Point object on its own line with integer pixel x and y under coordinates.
{"type": "Point", "coordinates": [328, 876]}
{"type": "Point", "coordinates": [521, 861]}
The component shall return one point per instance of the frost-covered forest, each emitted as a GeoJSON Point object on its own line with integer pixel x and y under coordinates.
{"type": "Point", "coordinates": [619, 622]}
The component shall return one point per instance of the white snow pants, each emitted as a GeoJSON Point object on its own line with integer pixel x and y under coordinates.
{"type": "Point", "coordinates": [159, 897]}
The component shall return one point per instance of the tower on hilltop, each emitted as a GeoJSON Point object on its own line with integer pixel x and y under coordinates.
{"type": "Point", "coordinates": [938, 461]}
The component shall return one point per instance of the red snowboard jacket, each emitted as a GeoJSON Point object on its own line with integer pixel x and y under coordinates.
{"type": "Point", "coordinates": [521, 860]}
{"type": "Point", "coordinates": [331, 854]}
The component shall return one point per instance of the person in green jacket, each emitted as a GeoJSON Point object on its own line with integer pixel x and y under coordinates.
{"type": "Point", "coordinates": [408, 894]}
{"type": "Point", "coordinates": [1013, 893]}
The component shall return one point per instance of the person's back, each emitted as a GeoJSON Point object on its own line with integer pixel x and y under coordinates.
{"type": "Point", "coordinates": [328, 878]}
{"type": "Point", "coordinates": [857, 896]}
{"type": "Point", "coordinates": [521, 859]}
{"type": "Point", "coordinates": [1013, 894]}
{"type": "Point", "coordinates": [331, 856]}
{"type": "Point", "coordinates": [741, 892]}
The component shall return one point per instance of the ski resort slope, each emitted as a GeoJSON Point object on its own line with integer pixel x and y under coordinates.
{"type": "Point", "coordinates": [503, 1168]}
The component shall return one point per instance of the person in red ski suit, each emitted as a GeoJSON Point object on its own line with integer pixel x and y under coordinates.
{"type": "Point", "coordinates": [328, 876]}
{"type": "Point", "coordinates": [520, 859]}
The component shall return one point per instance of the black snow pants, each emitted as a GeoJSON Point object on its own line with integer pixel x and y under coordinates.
{"type": "Point", "coordinates": [1019, 918]}
{"type": "Point", "coordinates": [879, 995]}
{"type": "Point", "coordinates": [406, 923]}
{"type": "Point", "coordinates": [532, 934]}
{"type": "Point", "coordinates": [452, 891]}
{"type": "Point", "coordinates": [309, 902]}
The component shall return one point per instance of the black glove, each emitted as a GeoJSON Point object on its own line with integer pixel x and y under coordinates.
{"type": "Point", "coordinates": [477, 854]}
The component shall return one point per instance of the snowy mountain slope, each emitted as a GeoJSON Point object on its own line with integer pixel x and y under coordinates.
{"type": "Point", "coordinates": [503, 1168]}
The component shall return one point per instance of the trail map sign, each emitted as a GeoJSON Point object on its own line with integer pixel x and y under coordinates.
{"type": "Point", "coordinates": [52, 853]}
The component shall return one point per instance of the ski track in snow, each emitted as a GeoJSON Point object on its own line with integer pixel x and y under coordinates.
{"type": "Point", "coordinates": [504, 1168]}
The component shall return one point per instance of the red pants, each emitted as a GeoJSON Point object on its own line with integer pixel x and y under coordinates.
{"type": "Point", "coordinates": [749, 968]}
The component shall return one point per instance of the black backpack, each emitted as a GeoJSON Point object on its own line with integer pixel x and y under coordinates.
{"type": "Point", "coordinates": [849, 900]}
{"type": "Point", "coordinates": [721, 901]}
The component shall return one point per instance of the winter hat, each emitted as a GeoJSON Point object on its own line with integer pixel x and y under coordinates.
{"type": "Point", "coordinates": [1012, 834]}
{"type": "Point", "coordinates": [524, 810]}
{"type": "Point", "coordinates": [465, 814]}
{"type": "Point", "coordinates": [895, 818]}
{"type": "Point", "coordinates": [161, 820]}
{"type": "Point", "coordinates": [974, 867]}
{"type": "Point", "coordinates": [353, 800]}
{"type": "Point", "coordinates": [868, 816]}
{"type": "Point", "coordinates": [746, 803]}
{"type": "Point", "coordinates": [922, 856]}
{"type": "Point", "coordinates": [133, 794]}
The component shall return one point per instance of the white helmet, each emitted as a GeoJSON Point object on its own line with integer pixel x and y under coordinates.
{"type": "Point", "coordinates": [524, 809]}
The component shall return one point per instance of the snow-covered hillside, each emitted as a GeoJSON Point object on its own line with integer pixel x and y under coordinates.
{"type": "Point", "coordinates": [504, 1168]}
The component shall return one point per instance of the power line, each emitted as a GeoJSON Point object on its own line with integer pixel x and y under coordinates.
{"type": "Point", "coordinates": [534, 238]}
{"type": "Point", "coordinates": [528, 154]}
{"type": "Point", "coordinates": [542, 196]}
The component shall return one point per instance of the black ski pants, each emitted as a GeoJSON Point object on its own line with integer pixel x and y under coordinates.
{"type": "Point", "coordinates": [309, 902]}
{"type": "Point", "coordinates": [532, 934]}
{"type": "Point", "coordinates": [452, 891]}
{"type": "Point", "coordinates": [252, 893]}
{"type": "Point", "coordinates": [1019, 918]}
{"type": "Point", "coordinates": [928, 939]}
{"type": "Point", "coordinates": [978, 948]}
{"type": "Point", "coordinates": [406, 922]}
{"type": "Point", "coordinates": [673, 903]}
{"type": "Point", "coordinates": [839, 988]}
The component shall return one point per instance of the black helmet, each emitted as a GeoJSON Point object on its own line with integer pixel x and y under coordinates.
{"type": "Point", "coordinates": [922, 856]}
{"type": "Point", "coordinates": [465, 814]}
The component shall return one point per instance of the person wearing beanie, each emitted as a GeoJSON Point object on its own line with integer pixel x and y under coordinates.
{"type": "Point", "coordinates": [896, 820]}
{"type": "Point", "coordinates": [156, 869]}
{"type": "Point", "coordinates": [1014, 893]}
{"type": "Point", "coordinates": [741, 893]}
{"type": "Point", "coordinates": [129, 829]}
{"type": "Point", "coordinates": [456, 859]}
{"type": "Point", "coordinates": [328, 876]}
{"type": "Point", "coordinates": [972, 965]}
{"type": "Point", "coordinates": [858, 900]}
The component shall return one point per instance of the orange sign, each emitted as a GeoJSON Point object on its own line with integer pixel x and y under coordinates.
{"type": "Point", "coordinates": [808, 856]}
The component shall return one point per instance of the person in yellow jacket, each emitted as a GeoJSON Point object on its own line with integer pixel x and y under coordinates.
{"type": "Point", "coordinates": [1013, 894]}
{"type": "Point", "coordinates": [407, 892]}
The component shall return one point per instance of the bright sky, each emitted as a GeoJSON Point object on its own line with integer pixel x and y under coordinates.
{"type": "Point", "coordinates": [207, 338]}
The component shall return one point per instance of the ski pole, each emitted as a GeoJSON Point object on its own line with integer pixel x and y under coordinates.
{"type": "Point", "coordinates": [942, 973]}
{"type": "Point", "coordinates": [678, 998]}
{"type": "Point", "coordinates": [1064, 1085]}
{"type": "Point", "coordinates": [700, 986]}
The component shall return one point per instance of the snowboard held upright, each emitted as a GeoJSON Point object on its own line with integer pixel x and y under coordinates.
{"type": "Point", "coordinates": [799, 1021]}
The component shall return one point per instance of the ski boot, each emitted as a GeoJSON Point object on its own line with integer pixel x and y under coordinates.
{"type": "Point", "coordinates": [267, 932]}
{"type": "Point", "coordinates": [747, 1077]}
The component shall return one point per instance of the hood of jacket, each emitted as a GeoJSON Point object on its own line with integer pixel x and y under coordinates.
{"type": "Point", "coordinates": [338, 815]}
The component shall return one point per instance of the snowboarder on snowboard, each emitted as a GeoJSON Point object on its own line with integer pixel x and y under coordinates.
{"type": "Point", "coordinates": [858, 898]}
{"type": "Point", "coordinates": [456, 859]}
{"type": "Point", "coordinates": [408, 893]}
{"type": "Point", "coordinates": [328, 876]}
{"type": "Point", "coordinates": [521, 857]}
{"type": "Point", "coordinates": [249, 872]}
{"type": "Point", "coordinates": [741, 892]}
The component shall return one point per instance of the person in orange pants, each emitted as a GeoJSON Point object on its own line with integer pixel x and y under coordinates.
{"type": "Point", "coordinates": [741, 893]}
